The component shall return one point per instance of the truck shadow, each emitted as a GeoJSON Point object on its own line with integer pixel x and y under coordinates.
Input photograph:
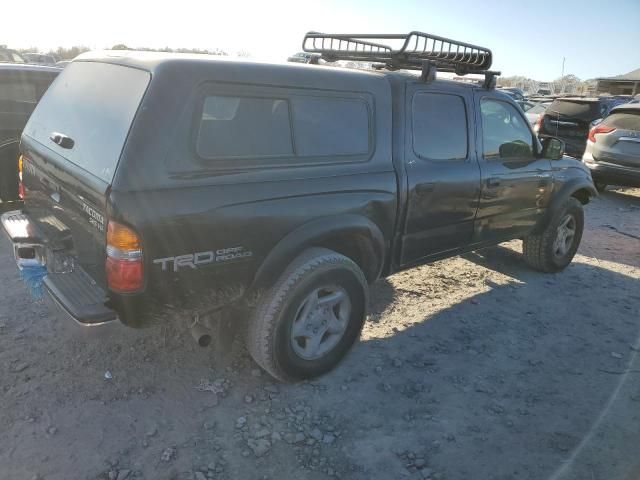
{"type": "Point", "coordinates": [510, 380]}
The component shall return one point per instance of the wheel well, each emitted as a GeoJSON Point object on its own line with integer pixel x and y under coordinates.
{"type": "Point", "coordinates": [583, 195]}
{"type": "Point", "coordinates": [359, 249]}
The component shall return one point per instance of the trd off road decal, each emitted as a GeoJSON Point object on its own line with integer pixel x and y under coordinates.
{"type": "Point", "coordinates": [195, 260]}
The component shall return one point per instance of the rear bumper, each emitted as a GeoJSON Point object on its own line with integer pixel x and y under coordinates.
{"type": "Point", "coordinates": [613, 174]}
{"type": "Point", "coordinates": [74, 290]}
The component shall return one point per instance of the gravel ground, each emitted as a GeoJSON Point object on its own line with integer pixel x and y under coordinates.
{"type": "Point", "coordinates": [469, 368]}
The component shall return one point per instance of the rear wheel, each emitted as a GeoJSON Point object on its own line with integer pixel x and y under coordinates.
{"type": "Point", "coordinates": [553, 249]}
{"type": "Point", "coordinates": [304, 325]}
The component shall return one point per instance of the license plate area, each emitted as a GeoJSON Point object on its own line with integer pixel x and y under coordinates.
{"type": "Point", "coordinates": [29, 254]}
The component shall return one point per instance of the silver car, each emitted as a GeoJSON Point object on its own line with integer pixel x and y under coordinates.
{"type": "Point", "coordinates": [613, 148]}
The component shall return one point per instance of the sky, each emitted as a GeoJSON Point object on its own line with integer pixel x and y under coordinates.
{"type": "Point", "coordinates": [530, 38]}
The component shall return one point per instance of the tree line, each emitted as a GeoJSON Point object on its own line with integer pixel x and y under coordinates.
{"type": "Point", "coordinates": [62, 53]}
{"type": "Point", "coordinates": [566, 84]}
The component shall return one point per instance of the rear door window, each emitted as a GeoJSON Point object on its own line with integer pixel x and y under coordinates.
{"type": "Point", "coordinates": [94, 104]}
{"type": "Point", "coordinates": [439, 126]}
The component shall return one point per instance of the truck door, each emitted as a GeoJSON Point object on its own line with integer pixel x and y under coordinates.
{"type": "Point", "coordinates": [443, 176]}
{"type": "Point", "coordinates": [516, 182]}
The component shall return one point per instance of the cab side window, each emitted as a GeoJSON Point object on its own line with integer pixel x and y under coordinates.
{"type": "Point", "coordinates": [504, 132]}
{"type": "Point", "coordinates": [298, 127]}
{"type": "Point", "coordinates": [244, 127]}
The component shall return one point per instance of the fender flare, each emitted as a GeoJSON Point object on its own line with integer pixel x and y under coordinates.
{"type": "Point", "coordinates": [314, 233]}
{"type": "Point", "coordinates": [567, 190]}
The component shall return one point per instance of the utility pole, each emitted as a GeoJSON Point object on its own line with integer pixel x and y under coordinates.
{"type": "Point", "coordinates": [562, 76]}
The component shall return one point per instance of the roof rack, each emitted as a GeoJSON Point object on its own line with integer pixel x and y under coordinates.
{"type": "Point", "coordinates": [418, 51]}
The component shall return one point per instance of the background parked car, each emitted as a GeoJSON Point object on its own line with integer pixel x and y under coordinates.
{"type": "Point", "coordinates": [515, 93]}
{"type": "Point", "coordinates": [39, 59]}
{"type": "Point", "coordinates": [613, 148]}
{"type": "Point", "coordinates": [10, 56]}
{"type": "Point", "coordinates": [533, 110]}
{"type": "Point", "coordinates": [304, 57]}
{"type": "Point", "coordinates": [569, 118]}
{"type": "Point", "coordinates": [21, 87]}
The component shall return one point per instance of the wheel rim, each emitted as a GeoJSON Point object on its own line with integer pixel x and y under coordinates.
{"type": "Point", "coordinates": [320, 322]}
{"type": "Point", "coordinates": [564, 236]}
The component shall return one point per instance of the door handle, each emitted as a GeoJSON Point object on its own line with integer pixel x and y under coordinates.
{"type": "Point", "coordinates": [61, 139]}
{"type": "Point", "coordinates": [493, 182]}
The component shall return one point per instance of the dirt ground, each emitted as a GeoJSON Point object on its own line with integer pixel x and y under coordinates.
{"type": "Point", "coordinates": [469, 368]}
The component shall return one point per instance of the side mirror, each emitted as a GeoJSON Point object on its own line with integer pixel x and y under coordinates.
{"type": "Point", "coordinates": [552, 148]}
{"type": "Point", "coordinates": [515, 149]}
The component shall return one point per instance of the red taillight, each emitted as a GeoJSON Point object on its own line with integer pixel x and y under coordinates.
{"type": "Point", "coordinates": [124, 275]}
{"type": "Point", "coordinates": [538, 124]}
{"type": "Point", "coordinates": [20, 184]}
{"type": "Point", "coordinates": [599, 129]}
{"type": "Point", "coordinates": [124, 263]}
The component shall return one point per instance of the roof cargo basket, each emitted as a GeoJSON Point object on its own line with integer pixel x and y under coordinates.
{"type": "Point", "coordinates": [415, 51]}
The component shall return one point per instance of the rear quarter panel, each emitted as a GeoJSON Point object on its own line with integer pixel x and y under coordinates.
{"type": "Point", "coordinates": [209, 230]}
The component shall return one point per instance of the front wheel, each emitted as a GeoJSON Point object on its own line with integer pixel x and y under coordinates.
{"type": "Point", "coordinates": [553, 249]}
{"type": "Point", "coordinates": [305, 324]}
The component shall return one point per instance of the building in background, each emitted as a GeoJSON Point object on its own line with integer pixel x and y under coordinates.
{"type": "Point", "coordinates": [627, 84]}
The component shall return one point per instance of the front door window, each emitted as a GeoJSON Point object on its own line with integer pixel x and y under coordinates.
{"type": "Point", "coordinates": [505, 133]}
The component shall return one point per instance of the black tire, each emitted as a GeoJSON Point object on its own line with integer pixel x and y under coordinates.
{"type": "Point", "coordinates": [600, 186]}
{"type": "Point", "coordinates": [9, 151]}
{"type": "Point", "coordinates": [539, 250]}
{"type": "Point", "coordinates": [270, 328]}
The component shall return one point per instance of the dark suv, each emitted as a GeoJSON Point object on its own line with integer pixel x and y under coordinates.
{"type": "Point", "coordinates": [21, 87]}
{"type": "Point", "coordinates": [570, 118]}
{"type": "Point", "coordinates": [280, 190]}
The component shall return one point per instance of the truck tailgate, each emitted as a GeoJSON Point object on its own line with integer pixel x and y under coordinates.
{"type": "Point", "coordinates": [68, 208]}
{"type": "Point", "coordinates": [70, 149]}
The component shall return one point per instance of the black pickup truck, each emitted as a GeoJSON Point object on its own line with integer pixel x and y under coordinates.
{"type": "Point", "coordinates": [280, 190]}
